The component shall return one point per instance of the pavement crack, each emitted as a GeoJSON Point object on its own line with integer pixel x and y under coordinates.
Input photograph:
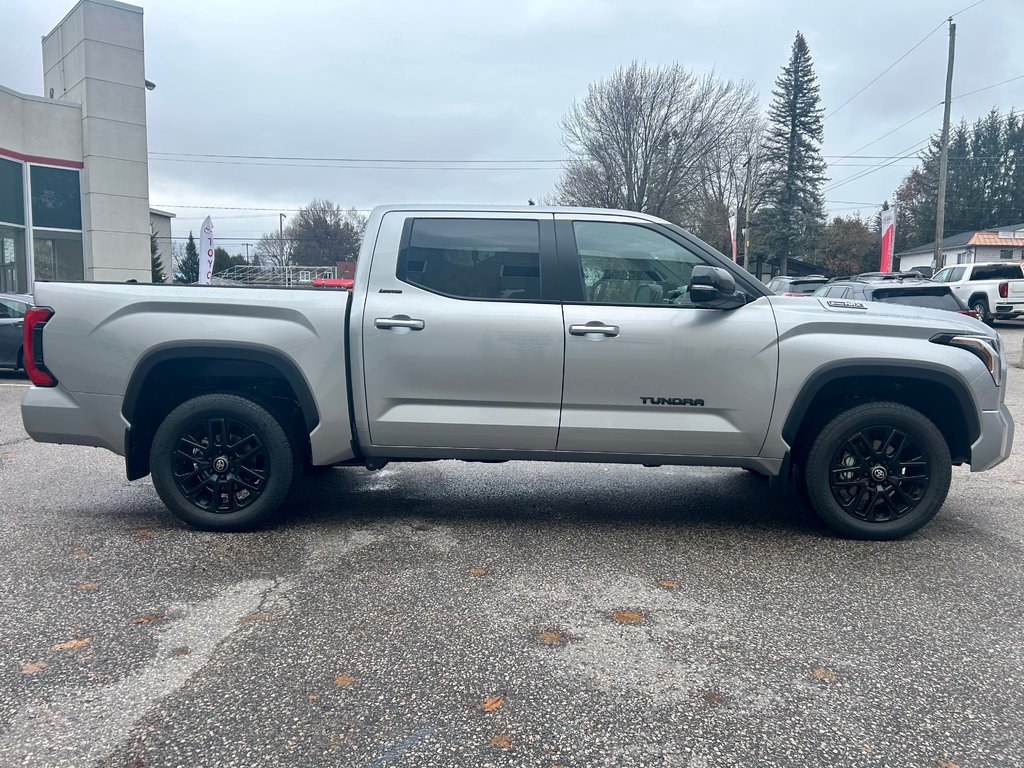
{"type": "Point", "coordinates": [63, 731]}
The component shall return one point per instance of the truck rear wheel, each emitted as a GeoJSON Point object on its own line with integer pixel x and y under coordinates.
{"type": "Point", "coordinates": [222, 463]}
{"type": "Point", "coordinates": [878, 471]}
{"type": "Point", "coordinates": [980, 305]}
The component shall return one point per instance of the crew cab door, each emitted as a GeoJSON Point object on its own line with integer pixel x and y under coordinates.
{"type": "Point", "coordinates": [462, 340]}
{"type": "Point", "coordinates": [646, 372]}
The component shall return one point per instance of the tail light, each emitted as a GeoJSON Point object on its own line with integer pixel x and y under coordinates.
{"type": "Point", "coordinates": [1004, 290]}
{"type": "Point", "coordinates": [970, 312]}
{"type": "Point", "coordinates": [35, 320]}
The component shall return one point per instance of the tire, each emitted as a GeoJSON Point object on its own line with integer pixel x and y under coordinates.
{"type": "Point", "coordinates": [980, 305]}
{"type": "Point", "coordinates": [880, 437]}
{"type": "Point", "coordinates": [238, 486]}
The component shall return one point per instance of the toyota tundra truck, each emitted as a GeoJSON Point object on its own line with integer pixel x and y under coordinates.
{"type": "Point", "coordinates": [525, 334]}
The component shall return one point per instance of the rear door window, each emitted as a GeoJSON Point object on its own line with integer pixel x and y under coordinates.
{"type": "Point", "coordinates": [496, 259]}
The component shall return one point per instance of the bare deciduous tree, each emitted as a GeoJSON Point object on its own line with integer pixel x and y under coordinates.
{"type": "Point", "coordinates": [272, 250]}
{"type": "Point", "coordinates": [320, 234]}
{"type": "Point", "coordinates": [641, 139]}
{"type": "Point", "coordinates": [724, 184]}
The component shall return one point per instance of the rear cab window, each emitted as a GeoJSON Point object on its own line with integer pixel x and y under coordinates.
{"type": "Point", "coordinates": [997, 272]}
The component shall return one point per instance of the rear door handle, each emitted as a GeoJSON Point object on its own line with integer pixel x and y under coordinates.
{"type": "Point", "coordinates": [594, 327]}
{"type": "Point", "coordinates": [398, 321]}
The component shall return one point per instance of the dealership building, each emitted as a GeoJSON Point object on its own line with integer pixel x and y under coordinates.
{"type": "Point", "coordinates": [74, 173]}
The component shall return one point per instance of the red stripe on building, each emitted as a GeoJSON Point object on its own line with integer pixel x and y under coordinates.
{"type": "Point", "coordinates": [40, 159]}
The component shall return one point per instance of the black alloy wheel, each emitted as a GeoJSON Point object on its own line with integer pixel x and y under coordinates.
{"type": "Point", "coordinates": [878, 471]}
{"type": "Point", "coordinates": [222, 462]}
{"type": "Point", "coordinates": [879, 474]}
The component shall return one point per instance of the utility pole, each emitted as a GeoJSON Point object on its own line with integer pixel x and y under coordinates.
{"type": "Point", "coordinates": [247, 253]}
{"type": "Point", "coordinates": [746, 216]}
{"type": "Point", "coordinates": [940, 209]}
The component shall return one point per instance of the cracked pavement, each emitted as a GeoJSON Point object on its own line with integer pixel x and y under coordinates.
{"type": "Point", "coordinates": [370, 625]}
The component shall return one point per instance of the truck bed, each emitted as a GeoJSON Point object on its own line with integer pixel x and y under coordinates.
{"type": "Point", "coordinates": [102, 334]}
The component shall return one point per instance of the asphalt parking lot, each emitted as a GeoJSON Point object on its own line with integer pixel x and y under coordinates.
{"type": "Point", "coordinates": [449, 614]}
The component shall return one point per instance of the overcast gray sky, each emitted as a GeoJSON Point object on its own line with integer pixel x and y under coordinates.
{"type": "Point", "coordinates": [456, 79]}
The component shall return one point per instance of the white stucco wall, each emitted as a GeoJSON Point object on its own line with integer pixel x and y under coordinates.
{"type": "Point", "coordinates": [95, 57]}
{"type": "Point", "coordinates": [30, 125]}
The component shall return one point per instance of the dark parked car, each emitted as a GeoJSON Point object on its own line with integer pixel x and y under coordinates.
{"type": "Point", "coordinates": [787, 285]}
{"type": "Point", "coordinates": [894, 288]}
{"type": "Point", "coordinates": [12, 316]}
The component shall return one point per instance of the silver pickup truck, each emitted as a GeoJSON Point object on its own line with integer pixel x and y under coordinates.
{"type": "Point", "coordinates": [546, 334]}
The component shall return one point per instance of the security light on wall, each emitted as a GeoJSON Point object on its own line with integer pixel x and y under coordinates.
{"type": "Point", "coordinates": [150, 85]}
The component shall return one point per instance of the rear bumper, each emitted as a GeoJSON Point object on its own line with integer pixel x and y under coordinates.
{"type": "Point", "coordinates": [54, 415]}
{"type": "Point", "coordinates": [996, 440]}
{"type": "Point", "coordinates": [1009, 309]}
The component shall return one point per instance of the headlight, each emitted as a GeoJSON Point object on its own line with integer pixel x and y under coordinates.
{"type": "Point", "coordinates": [986, 349]}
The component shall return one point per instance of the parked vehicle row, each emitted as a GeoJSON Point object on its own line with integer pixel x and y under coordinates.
{"type": "Point", "coordinates": [987, 291]}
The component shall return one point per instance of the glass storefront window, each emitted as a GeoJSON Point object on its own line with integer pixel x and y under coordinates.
{"type": "Point", "coordinates": [56, 198]}
{"type": "Point", "coordinates": [12, 194]}
{"type": "Point", "coordinates": [58, 255]}
{"type": "Point", "coordinates": [13, 278]}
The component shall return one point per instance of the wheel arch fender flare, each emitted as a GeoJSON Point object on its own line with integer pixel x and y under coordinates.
{"type": "Point", "coordinates": [226, 352]}
{"type": "Point", "coordinates": [881, 370]}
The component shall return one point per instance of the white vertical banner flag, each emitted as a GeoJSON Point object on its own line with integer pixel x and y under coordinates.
{"type": "Point", "coordinates": [206, 252]}
{"type": "Point", "coordinates": [732, 234]}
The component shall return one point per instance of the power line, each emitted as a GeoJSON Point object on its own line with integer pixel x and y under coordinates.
{"type": "Point", "coordinates": [912, 150]}
{"type": "Point", "coordinates": [987, 87]}
{"type": "Point", "coordinates": [901, 58]}
{"type": "Point", "coordinates": [259, 163]}
{"type": "Point", "coordinates": [349, 159]}
{"type": "Point", "coordinates": [883, 72]}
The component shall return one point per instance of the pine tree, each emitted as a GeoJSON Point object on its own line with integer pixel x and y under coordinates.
{"type": "Point", "coordinates": [156, 263]}
{"type": "Point", "coordinates": [188, 266]}
{"type": "Point", "coordinates": [795, 170]}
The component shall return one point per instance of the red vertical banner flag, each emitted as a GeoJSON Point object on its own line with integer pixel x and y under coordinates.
{"type": "Point", "coordinates": [732, 234]}
{"type": "Point", "coordinates": [888, 235]}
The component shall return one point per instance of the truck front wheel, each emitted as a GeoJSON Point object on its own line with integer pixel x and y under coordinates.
{"type": "Point", "coordinates": [878, 471]}
{"type": "Point", "coordinates": [222, 463]}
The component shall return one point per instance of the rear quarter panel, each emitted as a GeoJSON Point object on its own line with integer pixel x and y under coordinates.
{"type": "Point", "coordinates": [100, 332]}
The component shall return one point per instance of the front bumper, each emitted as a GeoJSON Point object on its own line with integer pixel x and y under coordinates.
{"type": "Point", "coordinates": [996, 440]}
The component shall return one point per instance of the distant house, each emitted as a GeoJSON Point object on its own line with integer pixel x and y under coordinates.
{"type": "Point", "coordinates": [983, 245]}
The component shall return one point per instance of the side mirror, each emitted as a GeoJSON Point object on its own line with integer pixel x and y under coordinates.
{"type": "Point", "coordinates": [714, 287]}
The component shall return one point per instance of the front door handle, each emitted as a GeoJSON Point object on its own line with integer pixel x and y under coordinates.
{"type": "Point", "coordinates": [398, 321]}
{"type": "Point", "coordinates": [594, 327]}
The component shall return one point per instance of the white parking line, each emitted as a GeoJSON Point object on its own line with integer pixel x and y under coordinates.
{"type": "Point", "coordinates": [5, 384]}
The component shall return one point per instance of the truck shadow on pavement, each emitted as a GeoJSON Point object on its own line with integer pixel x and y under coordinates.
{"type": "Point", "coordinates": [607, 495]}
